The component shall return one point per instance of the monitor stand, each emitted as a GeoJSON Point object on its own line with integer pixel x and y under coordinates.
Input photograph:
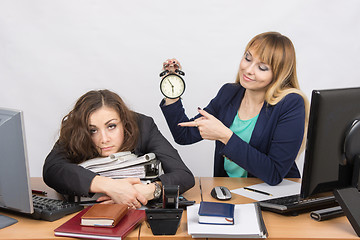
{"type": "Point", "coordinates": [6, 221]}
{"type": "Point", "coordinates": [349, 198]}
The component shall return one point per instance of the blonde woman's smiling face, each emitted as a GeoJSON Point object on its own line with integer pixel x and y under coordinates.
{"type": "Point", "coordinates": [107, 131]}
{"type": "Point", "coordinates": [254, 74]}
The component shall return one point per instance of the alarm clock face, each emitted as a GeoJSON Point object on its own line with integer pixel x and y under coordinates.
{"type": "Point", "coordinates": [172, 86]}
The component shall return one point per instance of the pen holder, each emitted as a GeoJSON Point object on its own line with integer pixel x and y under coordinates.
{"type": "Point", "coordinates": [164, 221]}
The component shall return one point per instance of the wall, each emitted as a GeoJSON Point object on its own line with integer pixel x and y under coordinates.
{"type": "Point", "coordinates": [51, 52]}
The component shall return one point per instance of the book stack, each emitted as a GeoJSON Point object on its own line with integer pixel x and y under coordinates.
{"type": "Point", "coordinates": [126, 223]}
{"type": "Point", "coordinates": [124, 165]}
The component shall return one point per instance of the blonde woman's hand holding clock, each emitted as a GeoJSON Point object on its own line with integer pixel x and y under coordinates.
{"type": "Point", "coordinates": [172, 85]}
{"type": "Point", "coordinates": [171, 65]}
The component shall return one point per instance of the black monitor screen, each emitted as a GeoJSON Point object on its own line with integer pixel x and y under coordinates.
{"type": "Point", "coordinates": [326, 168]}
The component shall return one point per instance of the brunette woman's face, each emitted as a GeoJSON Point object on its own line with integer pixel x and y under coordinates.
{"type": "Point", "coordinates": [107, 131]}
{"type": "Point", "coordinates": [254, 74]}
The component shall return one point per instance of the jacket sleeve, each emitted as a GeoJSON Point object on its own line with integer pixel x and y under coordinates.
{"type": "Point", "coordinates": [175, 114]}
{"type": "Point", "coordinates": [273, 164]}
{"type": "Point", "coordinates": [64, 176]}
{"type": "Point", "coordinates": [175, 171]}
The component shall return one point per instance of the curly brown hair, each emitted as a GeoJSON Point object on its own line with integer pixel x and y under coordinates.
{"type": "Point", "coordinates": [75, 134]}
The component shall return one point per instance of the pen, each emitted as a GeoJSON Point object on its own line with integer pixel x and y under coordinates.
{"type": "Point", "coordinates": [257, 191]}
{"type": "Point", "coordinates": [39, 192]}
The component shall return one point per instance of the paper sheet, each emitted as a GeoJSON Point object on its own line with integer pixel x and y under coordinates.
{"type": "Point", "coordinates": [285, 188]}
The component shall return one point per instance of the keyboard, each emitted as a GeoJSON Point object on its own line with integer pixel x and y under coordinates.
{"type": "Point", "coordinates": [293, 205]}
{"type": "Point", "coordinates": [52, 209]}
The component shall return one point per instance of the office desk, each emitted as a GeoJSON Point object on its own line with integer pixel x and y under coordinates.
{"type": "Point", "coordinates": [279, 227]}
{"type": "Point", "coordinates": [27, 228]}
{"type": "Point", "coordinates": [283, 227]}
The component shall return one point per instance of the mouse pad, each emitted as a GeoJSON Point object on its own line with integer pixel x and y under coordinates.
{"type": "Point", "coordinates": [6, 221]}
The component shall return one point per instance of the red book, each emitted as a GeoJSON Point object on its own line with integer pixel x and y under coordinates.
{"type": "Point", "coordinates": [72, 227]}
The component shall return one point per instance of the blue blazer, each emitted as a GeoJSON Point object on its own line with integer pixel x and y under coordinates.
{"type": "Point", "coordinates": [275, 141]}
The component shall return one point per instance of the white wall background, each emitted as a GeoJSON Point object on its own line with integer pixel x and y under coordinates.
{"type": "Point", "coordinates": [52, 52]}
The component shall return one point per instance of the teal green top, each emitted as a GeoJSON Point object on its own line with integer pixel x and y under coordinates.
{"type": "Point", "coordinates": [244, 129]}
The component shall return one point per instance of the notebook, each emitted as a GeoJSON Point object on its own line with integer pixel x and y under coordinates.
{"type": "Point", "coordinates": [104, 215]}
{"type": "Point", "coordinates": [216, 213]}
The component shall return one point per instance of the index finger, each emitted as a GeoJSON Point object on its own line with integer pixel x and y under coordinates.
{"type": "Point", "coordinates": [204, 113]}
{"type": "Point", "coordinates": [188, 124]}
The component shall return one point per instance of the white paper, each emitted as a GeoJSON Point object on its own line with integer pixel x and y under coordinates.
{"type": "Point", "coordinates": [246, 224]}
{"type": "Point", "coordinates": [285, 188]}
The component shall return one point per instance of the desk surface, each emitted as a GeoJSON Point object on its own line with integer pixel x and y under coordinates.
{"type": "Point", "coordinates": [27, 228]}
{"type": "Point", "coordinates": [283, 227]}
{"type": "Point", "coordinates": [278, 226]}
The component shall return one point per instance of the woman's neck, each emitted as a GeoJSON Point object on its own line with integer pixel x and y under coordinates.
{"type": "Point", "coordinates": [254, 97]}
{"type": "Point", "coordinates": [251, 104]}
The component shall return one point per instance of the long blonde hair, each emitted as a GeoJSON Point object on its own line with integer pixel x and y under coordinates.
{"type": "Point", "coordinates": [278, 52]}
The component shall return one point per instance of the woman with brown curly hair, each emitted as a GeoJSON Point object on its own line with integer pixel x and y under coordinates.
{"type": "Point", "coordinates": [99, 125]}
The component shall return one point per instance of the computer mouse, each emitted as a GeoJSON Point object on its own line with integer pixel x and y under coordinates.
{"type": "Point", "coordinates": [221, 193]}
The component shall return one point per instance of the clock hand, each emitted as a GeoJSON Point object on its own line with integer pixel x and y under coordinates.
{"type": "Point", "coordinates": [171, 83]}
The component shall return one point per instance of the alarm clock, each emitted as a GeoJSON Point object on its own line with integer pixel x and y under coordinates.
{"type": "Point", "coordinates": [172, 85]}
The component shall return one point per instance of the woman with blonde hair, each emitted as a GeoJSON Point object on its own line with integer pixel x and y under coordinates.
{"type": "Point", "coordinates": [99, 125]}
{"type": "Point", "coordinates": [258, 122]}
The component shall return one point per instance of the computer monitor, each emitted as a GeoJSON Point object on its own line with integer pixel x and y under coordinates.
{"type": "Point", "coordinates": [331, 146]}
{"type": "Point", "coordinates": [15, 191]}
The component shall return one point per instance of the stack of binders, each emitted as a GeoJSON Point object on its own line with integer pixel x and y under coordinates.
{"type": "Point", "coordinates": [124, 165]}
